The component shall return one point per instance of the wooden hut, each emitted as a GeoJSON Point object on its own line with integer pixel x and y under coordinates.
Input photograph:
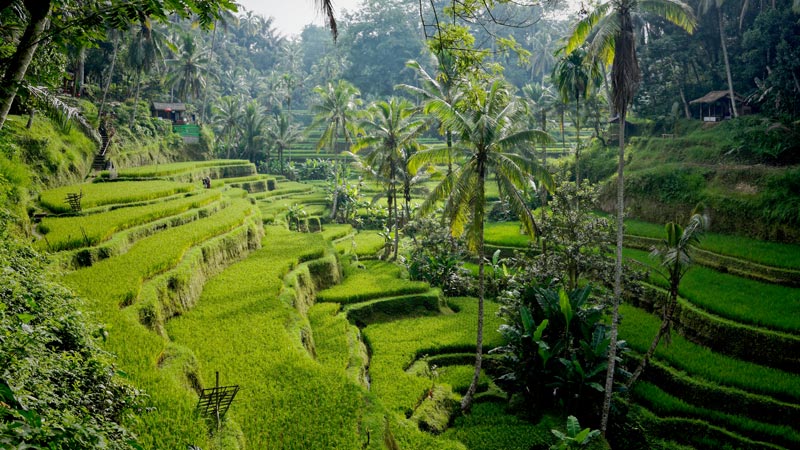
{"type": "Point", "coordinates": [716, 106]}
{"type": "Point", "coordinates": [173, 112]}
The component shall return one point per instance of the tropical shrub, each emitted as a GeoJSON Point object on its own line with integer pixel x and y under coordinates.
{"type": "Point", "coordinates": [57, 388]}
{"type": "Point", "coordinates": [437, 257]}
{"type": "Point", "coordinates": [556, 350]}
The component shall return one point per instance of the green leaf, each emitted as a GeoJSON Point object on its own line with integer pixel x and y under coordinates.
{"type": "Point", "coordinates": [25, 318]}
{"type": "Point", "coordinates": [565, 305]}
{"type": "Point", "coordinates": [537, 336]}
{"type": "Point", "coordinates": [573, 427]}
{"type": "Point", "coordinates": [527, 320]}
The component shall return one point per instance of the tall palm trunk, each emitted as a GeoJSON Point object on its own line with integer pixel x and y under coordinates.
{"type": "Point", "coordinates": [449, 135]}
{"type": "Point", "coordinates": [108, 80]}
{"type": "Point", "coordinates": [136, 97]}
{"type": "Point", "coordinates": [39, 11]}
{"type": "Point", "coordinates": [205, 89]}
{"type": "Point", "coordinates": [542, 190]}
{"type": "Point", "coordinates": [727, 64]}
{"type": "Point", "coordinates": [466, 401]}
{"type": "Point", "coordinates": [666, 323]}
{"type": "Point", "coordinates": [396, 215]}
{"type": "Point", "coordinates": [578, 140]}
{"type": "Point", "coordinates": [612, 345]}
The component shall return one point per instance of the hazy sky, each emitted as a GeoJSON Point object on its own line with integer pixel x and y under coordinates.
{"type": "Point", "coordinates": [292, 15]}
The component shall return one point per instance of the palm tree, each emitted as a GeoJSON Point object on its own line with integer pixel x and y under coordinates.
{"type": "Point", "coordinates": [282, 135]}
{"type": "Point", "coordinates": [488, 139]}
{"type": "Point", "coordinates": [443, 87]}
{"type": "Point", "coordinates": [227, 117]}
{"type": "Point", "coordinates": [705, 6]}
{"type": "Point", "coordinates": [574, 78]}
{"type": "Point", "coordinates": [538, 100]}
{"type": "Point", "coordinates": [676, 260]}
{"type": "Point", "coordinates": [336, 110]}
{"type": "Point", "coordinates": [326, 7]}
{"type": "Point", "coordinates": [145, 52]}
{"type": "Point", "coordinates": [189, 70]}
{"type": "Point", "coordinates": [225, 19]}
{"type": "Point", "coordinates": [252, 124]}
{"type": "Point", "coordinates": [390, 129]}
{"type": "Point", "coordinates": [614, 41]}
{"type": "Point", "coordinates": [115, 36]}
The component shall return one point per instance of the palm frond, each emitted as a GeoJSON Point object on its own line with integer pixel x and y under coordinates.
{"type": "Point", "coordinates": [63, 114]}
{"type": "Point", "coordinates": [584, 27]}
{"type": "Point", "coordinates": [519, 205]}
{"type": "Point", "coordinates": [675, 11]}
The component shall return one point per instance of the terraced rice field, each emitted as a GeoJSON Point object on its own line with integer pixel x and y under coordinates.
{"type": "Point", "coordinates": [334, 349]}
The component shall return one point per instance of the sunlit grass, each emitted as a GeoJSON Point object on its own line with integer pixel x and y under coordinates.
{"type": "Point", "coordinates": [378, 279]}
{"type": "Point", "coordinates": [100, 194]}
{"type": "Point", "coordinates": [762, 252]}
{"type": "Point", "coordinates": [395, 345]}
{"type": "Point", "coordinates": [747, 301]}
{"type": "Point", "coordinates": [287, 398]}
{"type": "Point", "coordinates": [64, 233]}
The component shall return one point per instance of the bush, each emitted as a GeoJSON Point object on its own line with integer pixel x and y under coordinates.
{"type": "Point", "coordinates": [57, 389]}
{"type": "Point", "coordinates": [437, 257]}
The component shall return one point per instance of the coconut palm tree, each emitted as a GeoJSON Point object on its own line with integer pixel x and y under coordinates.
{"type": "Point", "coordinates": [336, 110]}
{"type": "Point", "coordinates": [252, 124]}
{"type": "Point", "coordinates": [189, 70]}
{"type": "Point", "coordinates": [282, 135]}
{"type": "Point", "coordinates": [145, 52]}
{"type": "Point", "coordinates": [538, 101]}
{"type": "Point", "coordinates": [488, 139]}
{"type": "Point", "coordinates": [442, 87]}
{"type": "Point", "coordinates": [574, 77]}
{"type": "Point", "coordinates": [613, 41]}
{"type": "Point", "coordinates": [390, 129]}
{"type": "Point", "coordinates": [227, 116]}
{"type": "Point", "coordinates": [675, 254]}
{"type": "Point", "coordinates": [225, 19]}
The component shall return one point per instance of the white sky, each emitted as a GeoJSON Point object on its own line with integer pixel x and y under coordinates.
{"type": "Point", "coordinates": [292, 15]}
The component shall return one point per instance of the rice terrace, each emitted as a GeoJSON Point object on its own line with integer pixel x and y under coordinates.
{"type": "Point", "coordinates": [431, 225]}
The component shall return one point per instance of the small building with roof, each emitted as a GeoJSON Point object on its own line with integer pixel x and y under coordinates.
{"type": "Point", "coordinates": [716, 106]}
{"type": "Point", "coordinates": [174, 112]}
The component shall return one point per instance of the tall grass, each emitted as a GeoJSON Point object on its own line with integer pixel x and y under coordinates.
{"type": "Point", "coordinates": [64, 233]}
{"type": "Point", "coordinates": [239, 328]}
{"type": "Point", "coordinates": [376, 280]}
{"type": "Point", "coordinates": [748, 249]}
{"type": "Point", "coordinates": [395, 345]}
{"type": "Point", "coordinates": [664, 404]}
{"type": "Point", "coordinates": [638, 328]}
{"type": "Point", "coordinates": [747, 301]}
{"type": "Point", "coordinates": [99, 194]}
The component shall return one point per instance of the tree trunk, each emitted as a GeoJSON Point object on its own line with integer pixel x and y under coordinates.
{"type": "Point", "coordinates": [205, 89]}
{"type": "Point", "coordinates": [542, 190]}
{"type": "Point", "coordinates": [39, 11]}
{"type": "Point", "coordinates": [77, 88]}
{"type": "Point", "coordinates": [466, 401]}
{"type": "Point", "coordinates": [396, 216]}
{"type": "Point", "coordinates": [686, 111]}
{"type": "Point", "coordinates": [29, 125]}
{"type": "Point", "coordinates": [108, 80]}
{"type": "Point", "coordinates": [578, 142]}
{"type": "Point", "coordinates": [666, 321]}
{"type": "Point", "coordinates": [612, 345]}
{"type": "Point", "coordinates": [727, 64]}
{"type": "Point", "coordinates": [449, 136]}
{"type": "Point", "coordinates": [136, 97]}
